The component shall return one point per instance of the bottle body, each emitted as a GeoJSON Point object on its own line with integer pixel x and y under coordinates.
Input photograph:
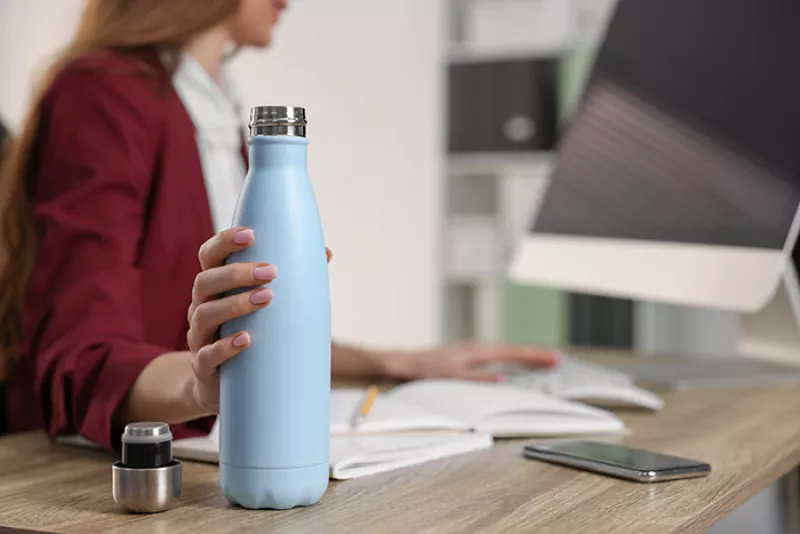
{"type": "Point", "coordinates": [275, 395]}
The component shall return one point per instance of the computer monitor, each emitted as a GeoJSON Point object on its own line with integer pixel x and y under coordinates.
{"type": "Point", "coordinates": [678, 179]}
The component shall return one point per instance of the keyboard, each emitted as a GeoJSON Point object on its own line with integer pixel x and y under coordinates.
{"type": "Point", "coordinates": [579, 380]}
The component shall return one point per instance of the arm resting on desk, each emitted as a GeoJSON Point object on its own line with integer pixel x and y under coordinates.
{"type": "Point", "coordinates": [165, 388]}
{"type": "Point", "coordinates": [352, 363]}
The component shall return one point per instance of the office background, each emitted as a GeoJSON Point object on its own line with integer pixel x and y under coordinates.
{"type": "Point", "coordinates": [421, 218]}
{"type": "Point", "coordinates": [420, 232]}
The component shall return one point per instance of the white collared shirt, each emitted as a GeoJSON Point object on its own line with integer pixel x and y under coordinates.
{"type": "Point", "coordinates": [215, 114]}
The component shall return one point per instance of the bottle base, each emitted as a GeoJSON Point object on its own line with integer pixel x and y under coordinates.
{"type": "Point", "coordinates": [273, 489]}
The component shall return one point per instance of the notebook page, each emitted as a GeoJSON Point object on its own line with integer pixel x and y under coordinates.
{"type": "Point", "coordinates": [387, 415]}
{"type": "Point", "coordinates": [356, 456]}
{"type": "Point", "coordinates": [481, 403]}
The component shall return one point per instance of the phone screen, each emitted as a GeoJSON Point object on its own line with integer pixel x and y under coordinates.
{"type": "Point", "coordinates": [618, 455]}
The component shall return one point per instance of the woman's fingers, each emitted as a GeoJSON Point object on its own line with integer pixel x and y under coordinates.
{"type": "Point", "coordinates": [217, 280]}
{"type": "Point", "coordinates": [207, 312]}
{"type": "Point", "coordinates": [214, 251]}
{"type": "Point", "coordinates": [210, 357]}
{"type": "Point", "coordinates": [209, 316]}
{"type": "Point", "coordinates": [520, 354]}
{"type": "Point", "coordinates": [479, 376]}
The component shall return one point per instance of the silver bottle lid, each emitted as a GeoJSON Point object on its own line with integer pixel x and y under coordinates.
{"type": "Point", "coordinates": [154, 486]}
{"type": "Point", "coordinates": [147, 490]}
{"type": "Point", "coordinates": [146, 432]}
{"type": "Point", "coordinates": [278, 120]}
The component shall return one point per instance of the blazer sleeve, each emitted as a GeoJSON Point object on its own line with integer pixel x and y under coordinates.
{"type": "Point", "coordinates": [94, 162]}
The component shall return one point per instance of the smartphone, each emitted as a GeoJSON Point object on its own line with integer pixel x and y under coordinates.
{"type": "Point", "coordinates": [618, 461]}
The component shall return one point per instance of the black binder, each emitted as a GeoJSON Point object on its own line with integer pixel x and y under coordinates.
{"type": "Point", "coordinates": [502, 106]}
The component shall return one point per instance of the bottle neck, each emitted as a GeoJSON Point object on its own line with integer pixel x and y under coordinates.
{"type": "Point", "coordinates": [277, 151]}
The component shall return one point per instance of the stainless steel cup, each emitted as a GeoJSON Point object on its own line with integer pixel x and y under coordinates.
{"type": "Point", "coordinates": [151, 480]}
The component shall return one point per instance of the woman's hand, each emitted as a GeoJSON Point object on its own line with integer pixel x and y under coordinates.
{"type": "Point", "coordinates": [209, 310]}
{"type": "Point", "coordinates": [181, 386]}
{"type": "Point", "coordinates": [466, 360]}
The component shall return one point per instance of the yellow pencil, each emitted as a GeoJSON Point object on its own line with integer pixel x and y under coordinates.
{"type": "Point", "coordinates": [365, 407]}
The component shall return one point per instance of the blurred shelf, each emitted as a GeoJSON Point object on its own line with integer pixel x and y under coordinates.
{"type": "Point", "coordinates": [476, 248]}
{"type": "Point", "coordinates": [472, 280]}
{"type": "Point", "coordinates": [472, 53]}
{"type": "Point", "coordinates": [473, 310]}
{"type": "Point", "coordinates": [494, 163]}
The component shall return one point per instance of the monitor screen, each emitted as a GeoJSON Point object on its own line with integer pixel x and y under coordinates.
{"type": "Point", "coordinates": [689, 130]}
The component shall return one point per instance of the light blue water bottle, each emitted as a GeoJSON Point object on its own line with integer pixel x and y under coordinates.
{"type": "Point", "coordinates": [275, 395]}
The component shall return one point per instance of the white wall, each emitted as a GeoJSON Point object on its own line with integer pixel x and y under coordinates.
{"type": "Point", "coordinates": [30, 33]}
{"type": "Point", "coordinates": [370, 74]}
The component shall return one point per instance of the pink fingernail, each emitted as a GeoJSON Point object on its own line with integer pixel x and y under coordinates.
{"type": "Point", "coordinates": [266, 272]}
{"type": "Point", "coordinates": [243, 237]}
{"type": "Point", "coordinates": [262, 296]}
{"type": "Point", "coordinates": [241, 340]}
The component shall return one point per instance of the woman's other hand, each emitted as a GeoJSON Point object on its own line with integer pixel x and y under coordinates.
{"type": "Point", "coordinates": [467, 361]}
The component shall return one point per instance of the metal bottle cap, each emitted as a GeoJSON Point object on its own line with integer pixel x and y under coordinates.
{"type": "Point", "coordinates": [147, 479]}
{"type": "Point", "coordinates": [278, 120]}
{"type": "Point", "coordinates": [146, 432]}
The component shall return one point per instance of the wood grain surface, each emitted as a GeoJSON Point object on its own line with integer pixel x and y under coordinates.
{"type": "Point", "coordinates": [751, 438]}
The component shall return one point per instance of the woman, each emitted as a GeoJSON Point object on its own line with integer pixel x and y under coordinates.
{"type": "Point", "coordinates": [130, 159]}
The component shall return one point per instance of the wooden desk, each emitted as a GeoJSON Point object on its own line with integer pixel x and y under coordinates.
{"type": "Point", "coordinates": [750, 438]}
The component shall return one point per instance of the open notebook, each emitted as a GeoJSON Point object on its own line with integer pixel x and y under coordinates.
{"type": "Point", "coordinates": [356, 456]}
{"type": "Point", "coordinates": [503, 410]}
{"type": "Point", "coordinates": [431, 419]}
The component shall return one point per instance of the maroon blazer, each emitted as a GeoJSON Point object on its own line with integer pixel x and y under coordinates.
{"type": "Point", "coordinates": [121, 207]}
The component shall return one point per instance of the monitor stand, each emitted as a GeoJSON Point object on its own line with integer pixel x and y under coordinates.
{"type": "Point", "coordinates": [773, 333]}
